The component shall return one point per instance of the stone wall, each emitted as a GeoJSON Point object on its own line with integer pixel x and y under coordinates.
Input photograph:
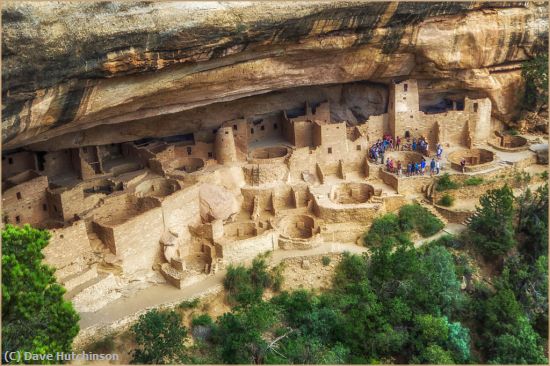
{"type": "Point", "coordinates": [68, 246]}
{"type": "Point", "coordinates": [180, 210]}
{"type": "Point", "coordinates": [16, 163]}
{"type": "Point", "coordinates": [25, 203]}
{"type": "Point", "coordinates": [241, 250]}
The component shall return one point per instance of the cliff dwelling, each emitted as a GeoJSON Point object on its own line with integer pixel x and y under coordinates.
{"type": "Point", "coordinates": [160, 160]}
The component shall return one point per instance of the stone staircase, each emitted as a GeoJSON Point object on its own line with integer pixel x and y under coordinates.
{"type": "Point", "coordinates": [73, 281]}
{"type": "Point", "coordinates": [429, 190]}
{"type": "Point", "coordinates": [427, 205]}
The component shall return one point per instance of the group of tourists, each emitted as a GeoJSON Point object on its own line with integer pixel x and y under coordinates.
{"type": "Point", "coordinates": [413, 168]}
{"type": "Point", "coordinates": [377, 151]}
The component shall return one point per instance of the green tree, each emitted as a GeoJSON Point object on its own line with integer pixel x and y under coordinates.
{"type": "Point", "coordinates": [240, 334]}
{"type": "Point", "coordinates": [35, 317]}
{"type": "Point", "coordinates": [436, 355]}
{"type": "Point", "coordinates": [491, 227]}
{"type": "Point", "coordinates": [533, 222]}
{"type": "Point", "coordinates": [535, 74]}
{"type": "Point", "coordinates": [160, 338]}
{"type": "Point", "coordinates": [522, 346]}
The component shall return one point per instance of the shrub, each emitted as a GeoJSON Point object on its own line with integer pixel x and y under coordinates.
{"type": "Point", "coordinates": [189, 304]}
{"type": "Point", "coordinates": [382, 229]}
{"type": "Point", "coordinates": [544, 175]}
{"type": "Point", "coordinates": [277, 277]}
{"type": "Point", "coordinates": [447, 200]}
{"type": "Point", "coordinates": [445, 182]}
{"type": "Point", "coordinates": [203, 319]}
{"type": "Point", "coordinates": [159, 337]}
{"type": "Point", "coordinates": [473, 181]}
{"type": "Point", "coordinates": [416, 217]}
{"type": "Point", "coordinates": [246, 285]}
{"type": "Point", "coordinates": [325, 260]}
{"type": "Point", "coordinates": [513, 132]}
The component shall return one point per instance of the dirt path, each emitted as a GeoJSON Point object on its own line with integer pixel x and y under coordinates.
{"type": "Point", "coordinates": [165, 294]}
{"type": "Point", "coordinates": [126, 309]}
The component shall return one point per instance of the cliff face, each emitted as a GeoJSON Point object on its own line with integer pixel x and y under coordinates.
{"type": "Point", "coordinates": [75, 69]}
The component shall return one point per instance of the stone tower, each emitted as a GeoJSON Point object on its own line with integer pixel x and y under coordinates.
{"type": "Point", "coordinates": [403, 112]}
{"type": "Point", "coordinates": [225, 146]}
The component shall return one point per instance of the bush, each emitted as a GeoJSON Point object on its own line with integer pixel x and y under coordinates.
{"type": "Point", "coordinates": [447, 200]}
{"type": "Point", "coordinates": [544, 175]}
{"type": "Point", "coordinates": [383, 229]}
{"type": "Point", "coordinates": [189, 304]}
{"type": "Point", "coordinates": [203, 319]}
{"type": "Point", "coordinates": [512, 132]}
{"type": "Point", "coordinates": [445, 182]}
{"type": "Point", "coordinates": [277, 277]}
{"type": "Point", "coordinates": [416, 217]}
{"type": "Point", "coordinates": [246, 285]}
{"type": "Point", "coordinates": [159, 337]}
{"type": "Point", "coordinates": [473, 181]}
{"type": "Point", "coordinates": [325, 260]}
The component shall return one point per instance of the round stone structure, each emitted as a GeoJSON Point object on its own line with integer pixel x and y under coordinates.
{"type": "Point", "coordinates": [272, 154]}
{"type": "Point", "coordinates": [351, 193]}
{"type": "Point", "coordinates": [509, 142]}
{"type": "Point", "coordinates": [188, 165]}
{"type": "Point", "coordinates": [298, 232]}
{"type": "Point", "coordinates": [476, 159]}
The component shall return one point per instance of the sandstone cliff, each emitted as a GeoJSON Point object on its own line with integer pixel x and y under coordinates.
{"type": "Point", "coordinates": [109, 72]}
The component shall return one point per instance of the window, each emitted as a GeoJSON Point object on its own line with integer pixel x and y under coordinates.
{"type": "Point", "coordinates": [262, 128]}
{"type": "Point", "coordinates": [274, 126]}
{"type": "Point", "coordinates": [226, 132]}
{"type": "Point", "coordinates": [235, 127]}
{"type": "Point", "coordinates": [475, 107]}
{"type": "Point", "coordinates": [405, 87]}
{"type": "Point", "coordinates": [330, 150]}
{"type": "Point", "coordinates": [209, 154]}
{"type": "Point", "coordinates": [411, 116]}
{"type": "Point", "coordinates": [10, 161]}
{"type": "Point", "coordinates": [188, 150]}
{"type": "Point", "coordinates": [252, 131]}
{"type": "Point", "coordinates": [358, 147]}
{"type": "Point", "coordinates": [18, 194]}
{"type": "Point", "coordinates": [45, 207]}
{"type": "Point", "coordinates": [17, 219]}
{"type": "Point", "coordinates": [404, 98]}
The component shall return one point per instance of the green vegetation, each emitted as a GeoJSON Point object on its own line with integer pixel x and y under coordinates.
{"type": "Point", "coordinates": [418, 218]}
{"type": "Point", "coordinates": [512, 132]}
{"type": "Point", "coordinates": [491, 227]}
{"type": "Point", "coordinates": [446, 200]}
{"type": "Point", "coordinates": [473, 181]}
{"type": "Point", "coordinates": [159, 337]}
{"type": "Point", "coordinates": [245, 286]}
{"type": "Point", "coordinates": [35, 317]}
{"type": "Point", "coordinates": [445, 182]}
{"type": "Point", "coordinates": [398, 304]}
{"type": "Point", "coordinates": [325, 260]}
{"type": "Point", "coordinates": [535, 74]}
{"type": "Point", "coordinates": [544, 175]}
{"type": "Point", "coordinates": [189, 304]}
{"type": "Point", "coordinates": [395, 229]}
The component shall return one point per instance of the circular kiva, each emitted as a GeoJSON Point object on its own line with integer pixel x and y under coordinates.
{"type": "Point", "coordinates": [476, 159]}
{"type": "Point", "coordinates": [351, 193]}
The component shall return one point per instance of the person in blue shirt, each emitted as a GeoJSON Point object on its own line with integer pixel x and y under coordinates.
{"type": "Point", "coordinates": [432, 166]}
{"type": "Point", "coordinates": [414, 145]}
{"type": "Point", "coordinates": [415, 168]}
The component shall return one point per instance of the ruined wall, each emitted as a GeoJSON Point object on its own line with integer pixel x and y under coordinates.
{"type": "Point", "coordinates": [377, 127]}
{"type": "Point", "coordinates": [180, 210]}
{"type": "Point", "coordinates": [68, 246]}
{"type": "Point", "coordinates": [16, 163]}
{"type": "Point", "coordinates": [137, 241]}
{"type": "Point", "coordinates": [242, 250]}
{"type": "Point", "coordinates": [26, 202]}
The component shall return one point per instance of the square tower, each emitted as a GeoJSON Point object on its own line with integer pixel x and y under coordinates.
{"type": "Point", "coordinates": [403, 112]}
